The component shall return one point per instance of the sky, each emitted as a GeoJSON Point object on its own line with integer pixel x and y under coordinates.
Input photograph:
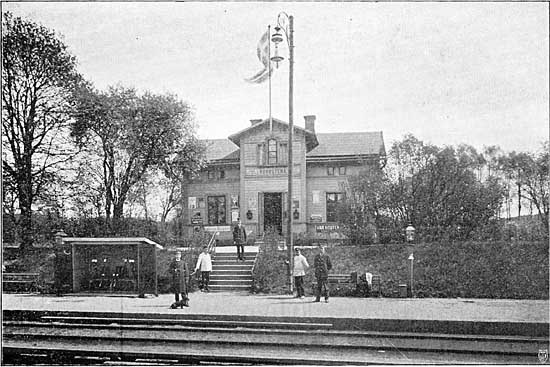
{"type": "Point", "coordinates": [449, 73]}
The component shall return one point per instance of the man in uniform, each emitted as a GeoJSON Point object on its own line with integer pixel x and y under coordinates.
{"type": "Point", "coordinates": [322, 266]}
{"type": "Point", "coordinates": [180, 274]}
{"type": "Point", "coordinates": [239, 239]}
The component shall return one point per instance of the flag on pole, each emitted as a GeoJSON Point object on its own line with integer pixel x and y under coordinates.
{"type": "Point", "coordinates": [263, 55]}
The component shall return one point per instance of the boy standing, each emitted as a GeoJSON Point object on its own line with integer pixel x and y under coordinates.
{"type": "Point", "coordinates": [204, 263]}
{"type": "Point", "coordinates": [300, 268]}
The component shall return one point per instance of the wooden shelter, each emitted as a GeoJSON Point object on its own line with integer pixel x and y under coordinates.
{"type": "Point", "coordinates": [125, 265]}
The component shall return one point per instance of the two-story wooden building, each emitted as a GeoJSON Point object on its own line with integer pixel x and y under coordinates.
{"type": "Point", "coordinates": [247, 177]}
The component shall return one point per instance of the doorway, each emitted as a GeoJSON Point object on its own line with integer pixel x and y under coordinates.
{"type": "Point", "coordinates": [273, 212]}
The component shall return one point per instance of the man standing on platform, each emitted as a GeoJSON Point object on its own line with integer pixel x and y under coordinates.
{"type": "Point", "coordinates": [322, 266]}
{"type": "Point", "coordinates": [300, 268]}
{"type": "Point", "coordinates": [180, 274]}
{"type": "Point", "coordinates": [239, 239]}
{"type": "Point", "coordinates": [204, 263]}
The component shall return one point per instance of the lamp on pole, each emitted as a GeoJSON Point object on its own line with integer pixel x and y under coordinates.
{"type": "Point", "coordinates": [409, 233]}
{"type": "Point", "coordinates": [285, 23]}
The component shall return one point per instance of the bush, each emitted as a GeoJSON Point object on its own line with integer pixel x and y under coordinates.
{"type": "Point", "coordinates": [270, 273]}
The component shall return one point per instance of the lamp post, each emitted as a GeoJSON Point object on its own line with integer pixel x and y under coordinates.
{"type": "Point", "coordinates": [409, 234]}
{"type": "Point", "coordinates": [285, 23]}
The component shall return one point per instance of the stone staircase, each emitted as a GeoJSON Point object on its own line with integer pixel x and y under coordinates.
{"type": "Point", "coordinates": [230, 275]}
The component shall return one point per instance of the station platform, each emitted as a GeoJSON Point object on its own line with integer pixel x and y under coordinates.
{"type": "Point", "coordinates": [244, 304]}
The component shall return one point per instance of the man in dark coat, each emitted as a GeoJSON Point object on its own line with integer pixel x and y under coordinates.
{"type": "Point", "coordinates": [180, 274]}
{"type": "Point", "coordinates": [239, 239]}
{"type": "Point", "coordinates": [322, 266]}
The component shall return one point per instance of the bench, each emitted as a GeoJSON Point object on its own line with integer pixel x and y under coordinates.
{"type": "Point", "coordinates": [346, 279]}
{"type": "Point", "coordinates": [17, 282]}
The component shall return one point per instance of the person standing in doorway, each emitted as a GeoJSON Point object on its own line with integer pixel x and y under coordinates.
{"type": "Point", "coordinates": [322, 266]}
{"type": "Point", "coordinates": [300, 268]}
{"type": "Point", "coordinates": [180, 274]}
{"type": "Point", "coordinates": [239, 239]}
{"type": "Point", "coordinates": [204, 263]}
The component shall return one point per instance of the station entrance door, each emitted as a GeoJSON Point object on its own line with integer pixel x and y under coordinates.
{"type": "Point", "coordinates": [272, 207]}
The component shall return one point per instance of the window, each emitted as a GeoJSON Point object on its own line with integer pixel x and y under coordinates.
{"type": "Point", "coordinates": [211, 175]}
{"type": "Point", "coordinates": [260, 154]}
{"type": "Point", "coordinates": [334, 199]}
{"type": "Point", "coordinates": [272, 151]}
{"type": "Point", "coordinates": [330, 171]}
{"type": "Point", "coordinates": [216, 210]}
{"type": "Point", "coordinates": [342, 171]}
{"type": "Point", "coordinates": [283, 153]}
{"type": "Point", "coordinates": [221, 175]}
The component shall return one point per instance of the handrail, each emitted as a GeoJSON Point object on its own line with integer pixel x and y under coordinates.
{"type": "Point", "coordinates": [211, 247]}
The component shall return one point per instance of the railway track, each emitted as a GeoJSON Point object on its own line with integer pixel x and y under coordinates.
{"type": "Point", "coordinates": [80, 338]}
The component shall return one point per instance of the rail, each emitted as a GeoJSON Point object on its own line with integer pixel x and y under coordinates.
{"type": "Point", "coordinates": [211, 247]}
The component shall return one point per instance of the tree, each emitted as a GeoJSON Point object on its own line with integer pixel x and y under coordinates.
{"type": "Point", "coordinates": [534, 179]}
{"type": "Point", "coordinates": [439, 190]}
{"type": "Point", "coordinates": [133, 133]}
{"type": "Point", "coordinates": [514, 165]}
{"type": "Point", "coordinates": [363, 211]}
{"type": "Point", "coordinates": [39, 81]}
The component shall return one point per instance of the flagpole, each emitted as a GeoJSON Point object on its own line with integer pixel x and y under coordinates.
{"type": "Point", "coordinates": [269, 71]}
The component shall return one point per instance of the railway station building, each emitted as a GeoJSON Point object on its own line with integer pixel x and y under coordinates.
{"type": "Point", "coordinates": [246, 177]}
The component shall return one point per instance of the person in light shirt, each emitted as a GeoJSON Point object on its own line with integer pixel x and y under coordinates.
{"type": "Point", "coordinates": [300, 268]}
{"type": "Point", "coordinates": [204, 263]}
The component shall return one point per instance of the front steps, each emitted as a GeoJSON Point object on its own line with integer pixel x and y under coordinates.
{"type": "Point", "coordinates": [230, 275]}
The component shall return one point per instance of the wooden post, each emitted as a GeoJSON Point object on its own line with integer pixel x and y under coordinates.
{"type": "Point", "coordinates": [156, 266]}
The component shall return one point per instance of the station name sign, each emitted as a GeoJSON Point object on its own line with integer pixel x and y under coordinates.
{"type": "Point", "coordinates": [327, 227]}
{"type": "Point", "coordinates": [270, 171]}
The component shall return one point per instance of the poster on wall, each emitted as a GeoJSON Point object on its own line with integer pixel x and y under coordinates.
{"type": "Point", "coordinates": [234, 201]}
{"type": "Point", "coordinates": [202, 203]}
{"type": "Point", "coordinates": [235, 215]}
{"type": "Point", "coordinates": [192, 202]}
{"type": "Point", "coordinates": [316, 194]}
{"type": "Point", "coordinates": [196, 218]}
{"type": "Point", "coordinates": [252, 202]}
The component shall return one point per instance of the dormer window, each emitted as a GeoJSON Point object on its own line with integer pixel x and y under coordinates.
{"type": "Point", "coordinates": [271, 151]}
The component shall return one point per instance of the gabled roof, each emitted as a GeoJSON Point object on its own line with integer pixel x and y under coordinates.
{"type": "Point", "coordinates": [220, 149]}
{"type": "Point", "coordinates": [330, 145]}
{"type": "Point", "coordinates": [311, 138]}
{"type": "Point", "coordinates": [349, 144]}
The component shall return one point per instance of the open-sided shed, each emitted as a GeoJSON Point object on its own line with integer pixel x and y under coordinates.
{"type": "Point", "coordinates": [125, 265]}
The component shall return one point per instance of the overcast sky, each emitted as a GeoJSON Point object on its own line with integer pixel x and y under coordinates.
{"type": "Point", "coordinates": [449, 73]}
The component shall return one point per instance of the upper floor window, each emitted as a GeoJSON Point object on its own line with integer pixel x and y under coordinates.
{"type": "Point", "coordinates": [330, 171]}
{"type": "Point", "coordinates": [216, 174]}
{"type": "Point", "coordinates": [272, 151]}
{"type": "Point", "coordinates": [342, 171]}
{"type": "Point", "coordinates": [333, 201]}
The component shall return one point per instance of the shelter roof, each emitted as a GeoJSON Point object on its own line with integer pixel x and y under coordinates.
{"type": "Point", "coordinates": [110, 241]}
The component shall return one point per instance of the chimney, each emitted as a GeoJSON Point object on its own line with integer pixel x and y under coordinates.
{"type": "Point", "coordinates": [256, 121]}
{"type": "Point", "coordinates": [310, 123]}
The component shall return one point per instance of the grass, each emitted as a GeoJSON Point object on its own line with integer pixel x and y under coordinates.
{"type": "Point", "coordinates": [501, 270]}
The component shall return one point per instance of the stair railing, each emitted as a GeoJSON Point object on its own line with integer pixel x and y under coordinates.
{"type": "Point", "coordinates": [211, 247]}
